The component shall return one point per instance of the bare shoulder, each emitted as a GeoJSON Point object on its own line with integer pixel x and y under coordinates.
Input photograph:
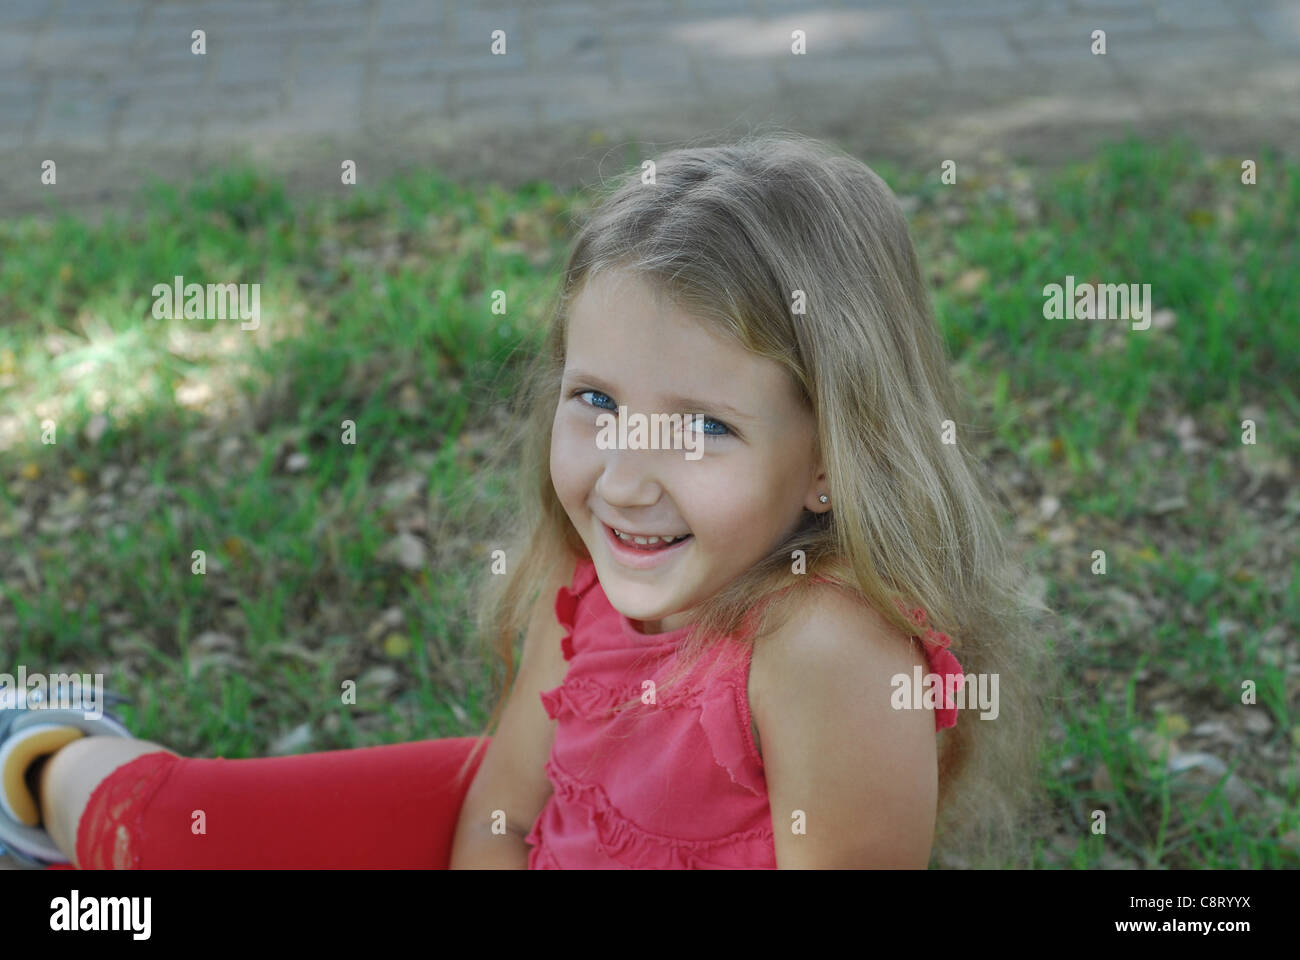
{"type": "Point", "coordinates": [829, 630]}
{"type": "Point", "coordinates": [856, 776]}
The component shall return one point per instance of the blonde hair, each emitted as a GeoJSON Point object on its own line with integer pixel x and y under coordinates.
{"type": "Point", "coordinates": [728, 233]}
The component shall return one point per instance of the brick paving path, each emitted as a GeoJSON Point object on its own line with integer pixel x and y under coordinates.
{"type": "Point", "coordinates": [111, 90]}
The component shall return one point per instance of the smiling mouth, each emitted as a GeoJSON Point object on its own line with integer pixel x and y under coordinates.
{"type": "Point", "coordinates": [648, 542]}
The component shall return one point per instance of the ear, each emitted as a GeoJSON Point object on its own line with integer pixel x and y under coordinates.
{"type": "Point", "coordinates": [818, 487]}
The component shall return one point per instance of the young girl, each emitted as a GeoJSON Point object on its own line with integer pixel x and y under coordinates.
{"type": "Point", "coordinates": [721, 651]}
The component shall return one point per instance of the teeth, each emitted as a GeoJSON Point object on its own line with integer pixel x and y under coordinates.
{"type": "Point", "coordinates": [645, 541]}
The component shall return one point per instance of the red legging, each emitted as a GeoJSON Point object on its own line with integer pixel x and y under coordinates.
{"type": "Point", "coordinates": [388, 807]}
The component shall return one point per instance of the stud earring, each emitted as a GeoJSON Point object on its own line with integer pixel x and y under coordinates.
{"type": "Point", "coordinates": [823, 498]}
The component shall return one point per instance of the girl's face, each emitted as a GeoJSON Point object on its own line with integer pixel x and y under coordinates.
{"type": "Point", "coordinates": [736, 501]}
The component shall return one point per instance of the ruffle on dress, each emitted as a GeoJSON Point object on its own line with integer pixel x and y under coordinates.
{"type": "Point", "coordinates": [722, 711]}
{"type": "Point", "coordinates": [630, 845]}
{"type": "Point", "coordinates": [940, 661]}
{"type": "Point", "coordinates": [724, 717]}
{"type": "Point", "coordinates": [566, 602]}
{"type": "Point", "coordinates": [585, 698]}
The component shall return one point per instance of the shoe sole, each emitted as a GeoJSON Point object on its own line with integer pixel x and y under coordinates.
{"type": "Point", "coordinates": [32, 844]}
{"type": "Point", "coordinates": [17, 756]}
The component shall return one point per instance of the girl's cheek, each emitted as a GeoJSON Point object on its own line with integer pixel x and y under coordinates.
{"type": "Point", "coordinates": [561, 461]}
{"type": "Point", "coordinates": [571, 459]}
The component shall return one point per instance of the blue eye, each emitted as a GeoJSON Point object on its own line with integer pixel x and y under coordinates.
{"type": "Point", "coordinates": [726, 431]}
{"type": "Point", "coordinates": [598, 394]}
{"type": "Point", "coordinates": [725, 428]}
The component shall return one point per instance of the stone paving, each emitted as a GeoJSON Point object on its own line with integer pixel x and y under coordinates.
{"type": "Point", "coordinates": [111, 90]}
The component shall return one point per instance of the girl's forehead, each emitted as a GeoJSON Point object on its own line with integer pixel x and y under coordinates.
{"type": "Point", "coordinates": [628, 328]}
{"type": "Point", "coordinates": [628, 303]}
{"type": "Point", "coordinates": [611, 288]}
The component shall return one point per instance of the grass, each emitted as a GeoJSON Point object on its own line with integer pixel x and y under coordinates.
{"type": "Point", "coordinates": [182, 435]}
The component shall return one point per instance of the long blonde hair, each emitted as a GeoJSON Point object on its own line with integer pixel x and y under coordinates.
{"type": "Point", "coordinates": [729, 233]}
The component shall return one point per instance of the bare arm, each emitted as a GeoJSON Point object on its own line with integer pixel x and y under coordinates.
{"type": "Point", "coordinates": [512, 777]}
{"type": "Point", "coordinates": [860, 775]}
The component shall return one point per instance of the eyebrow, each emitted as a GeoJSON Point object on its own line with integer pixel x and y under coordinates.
{"type": "Point", "coordinates": [712, 406]}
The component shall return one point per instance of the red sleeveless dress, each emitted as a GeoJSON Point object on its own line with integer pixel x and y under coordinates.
{"type": "Point", "coordinates": [676, 784]}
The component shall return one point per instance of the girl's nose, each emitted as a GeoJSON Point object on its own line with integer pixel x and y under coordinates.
{"type": "Point", "coordinates": [630, 478]}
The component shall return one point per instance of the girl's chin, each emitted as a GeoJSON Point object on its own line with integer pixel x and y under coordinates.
{"type": "Point", "coordinates": [636, 601]}
{"type": "Point", "coordinates": [637, 611]}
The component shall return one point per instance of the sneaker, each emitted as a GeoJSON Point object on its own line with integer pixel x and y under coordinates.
{"type": "Point", "coordinates": [29, 734]}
